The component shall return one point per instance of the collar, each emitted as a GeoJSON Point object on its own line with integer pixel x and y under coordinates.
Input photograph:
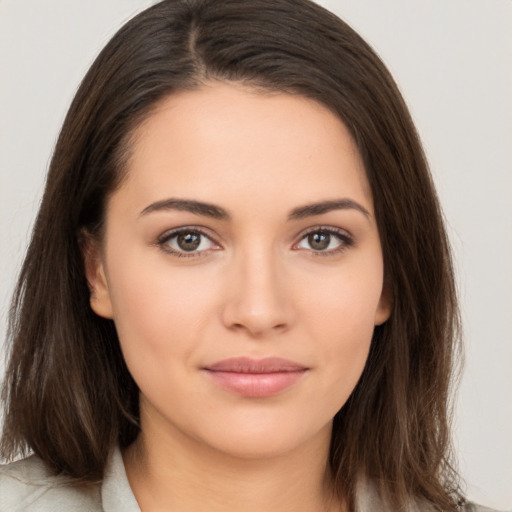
{"type": "Point", "coordinates": [116, 493]}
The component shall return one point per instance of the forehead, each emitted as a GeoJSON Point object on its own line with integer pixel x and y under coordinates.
{"type": "Point", "coordinates": [225, 139]}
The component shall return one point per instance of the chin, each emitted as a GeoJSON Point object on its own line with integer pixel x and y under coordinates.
{"type": "Point", "coordinates": [268, 440]}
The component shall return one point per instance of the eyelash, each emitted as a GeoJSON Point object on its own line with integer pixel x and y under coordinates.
{"type": "Point", "coordinates": [164, 239]}
{"type": "Point", "coordinates": [346, 241]}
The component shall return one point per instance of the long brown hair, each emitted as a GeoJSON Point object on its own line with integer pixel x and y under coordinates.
{"type": "Point", "coordinates": [68, 394]}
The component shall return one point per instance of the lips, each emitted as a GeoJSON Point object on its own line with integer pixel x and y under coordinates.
{"type": "Point", "coordinates": [256, 378]}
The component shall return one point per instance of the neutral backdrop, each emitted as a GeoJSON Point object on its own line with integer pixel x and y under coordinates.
{"type": "Point", "coordinates": [453, 61]}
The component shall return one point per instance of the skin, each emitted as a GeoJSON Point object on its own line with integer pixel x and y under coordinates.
{"type": "Point", "coordinates": [254, 287]}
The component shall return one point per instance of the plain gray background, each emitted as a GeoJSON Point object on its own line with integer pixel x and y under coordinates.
{"type": "Point", "coordinates": [453, 62]}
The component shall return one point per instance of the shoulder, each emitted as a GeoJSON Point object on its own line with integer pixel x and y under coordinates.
{"type": "Point", "coordinates": [27, 485]}
{"type": "Point", "coordinates": [369, 500]}
{"type": "Point", "coordinates": [472, 507]}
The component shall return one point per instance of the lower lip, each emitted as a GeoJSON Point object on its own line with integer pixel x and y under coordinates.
{"type": "Point", "coordinates": [256, 384]}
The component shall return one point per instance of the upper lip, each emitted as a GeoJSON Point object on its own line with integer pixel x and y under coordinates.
{"type": "Point", "coordinates": [249, 365]}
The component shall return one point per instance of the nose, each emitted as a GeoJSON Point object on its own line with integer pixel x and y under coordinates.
{"type": "Point", "coordinates": [258, 302]}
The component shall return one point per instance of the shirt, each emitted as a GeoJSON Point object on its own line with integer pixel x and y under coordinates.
{"type": "Point", "coordinates": [28, 486]}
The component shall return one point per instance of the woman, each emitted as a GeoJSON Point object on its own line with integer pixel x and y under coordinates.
{"type": "Point", "coordinates": [239, 293]}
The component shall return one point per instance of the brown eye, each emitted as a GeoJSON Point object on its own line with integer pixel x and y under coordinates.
{"type": "Point", "coordinates": [188, 241]}
{"type": "Point", "coordinates": [325, 241]}
{"type": "Point", "coordinates": [319, 241]}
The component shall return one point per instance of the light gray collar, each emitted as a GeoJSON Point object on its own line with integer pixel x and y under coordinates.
{"type": "Point", "coordinates": [116, 493]}
{"type": "Point", "coordinates": [117, 496]}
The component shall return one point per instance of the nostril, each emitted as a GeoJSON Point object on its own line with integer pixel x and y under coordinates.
{"type": "Point", "coordinates": [257, 309]}
{"type": "Point", "coordinates": [258, 330]}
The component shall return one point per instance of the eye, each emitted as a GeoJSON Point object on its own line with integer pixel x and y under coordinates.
{"type": "Point", "coordinates": [187, 242]}
{"type": "Point", "coordinates": [325, 240]}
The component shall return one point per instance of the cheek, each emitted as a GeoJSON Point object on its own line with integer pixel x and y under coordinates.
{"type": "Point", "coordinates": [341, 319]}
{"type": "Point", "coordinates": [343, 300]}
{"type": "Point", "coordinates": [161, 317]}
{"type": "Point", "coordinates": [343, 360]}
{"type": "Point", "coordinates": [158, 313]}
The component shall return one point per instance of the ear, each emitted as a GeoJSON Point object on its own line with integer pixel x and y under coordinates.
{"type": "Point", "coordinates": [96, 277]}
{"type": "Point", "coordinates": [385, 306]}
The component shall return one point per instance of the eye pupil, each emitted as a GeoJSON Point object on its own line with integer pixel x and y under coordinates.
{"type": "Point", "coordinates": [188, 241]}
{"type": "Point", "coordinates": [319, 241]}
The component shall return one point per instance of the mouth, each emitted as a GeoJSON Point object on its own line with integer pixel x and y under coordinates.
{"type": "Point", "coordinates": [256, 378]}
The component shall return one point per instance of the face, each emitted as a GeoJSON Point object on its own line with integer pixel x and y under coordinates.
{"type": "Point", "coordinates": [242, 267]}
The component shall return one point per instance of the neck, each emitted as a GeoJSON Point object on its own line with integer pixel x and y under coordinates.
{"type": "Point", "coordinates": [170, 471]}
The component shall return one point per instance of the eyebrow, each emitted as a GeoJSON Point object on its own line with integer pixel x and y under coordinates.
{"type": "Point", "coordinates": [187, 205]}
{"type": "Point", "coordinates": [322, 207]}
{"type": "Point", "coordinates": [216, 212]}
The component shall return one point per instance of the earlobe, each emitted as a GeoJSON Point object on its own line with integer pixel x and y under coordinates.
{"type": "Point", "coordinates": [96, 277]}
{"type": "Point", "coordinates": [385, 306]}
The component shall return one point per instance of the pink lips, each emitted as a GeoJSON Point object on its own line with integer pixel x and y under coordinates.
{"type": "Point", "coordinates": [256, 378]}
